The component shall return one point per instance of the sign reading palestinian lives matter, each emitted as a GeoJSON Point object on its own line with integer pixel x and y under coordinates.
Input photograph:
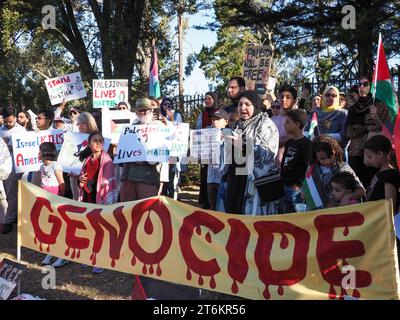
{"type": "Point", "coordinates": [322, 254]}
{"type": "Point", "coordinates": [145, 143]}
{"type": "Point", "coordinates": [256, 67]}
{"type": "Point", "coordinates": [10, 272]}
{"type": "Point", "coordinates": [205, 144]}
{"type": "Point", "coordinates": [26, 148]}
{"type": "Point", "coordinates": [75, 142]}
{"type": "Point", "coordinates": [113, 121]}
{"type": "Point", "coordinates": [107, 93]}
{"type": "Point", "coordinates": [69, 87]}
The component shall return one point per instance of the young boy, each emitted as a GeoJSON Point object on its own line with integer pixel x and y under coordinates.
{"type": "Point", "coordinates": [220, 120]}
{"type": "Point", "coordinates": [296, 158]}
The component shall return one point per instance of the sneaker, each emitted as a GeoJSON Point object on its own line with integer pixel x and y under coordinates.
{"type": "Point", "coordinates": [97, 270]}
{"type": "Point", "coordinates": [47, 260]}
{"type": "Point", "coordinates": [59, 263]}
{"type": "Point", "coordinates": [85, 266]}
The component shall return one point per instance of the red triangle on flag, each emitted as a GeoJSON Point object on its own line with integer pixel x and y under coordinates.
{"type": "Point", "coordinates": [381, 65]}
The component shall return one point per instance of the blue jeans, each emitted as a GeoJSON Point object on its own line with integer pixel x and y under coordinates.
{"type": "Point", "coordinates": [221, 196]}
{"type": "Point", "coordinates": [292, 199]}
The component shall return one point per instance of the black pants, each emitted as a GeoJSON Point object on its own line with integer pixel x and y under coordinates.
{"type": "Point", "coordinates": [235, 191]}
{"type": "Point", "coordinates": [203, 198]}
{"type": "Point", "coordinates": [364, 173]}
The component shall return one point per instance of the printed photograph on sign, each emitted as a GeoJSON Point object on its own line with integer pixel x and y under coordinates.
{"type": "Point", "coordinates": [113, 121]}
{"type": "Point", "coordinates": [205, 144]}
{"type": "Point", "coordinates": [74, 143]}
{"type": "Point", "coordinates": [108, 93]}
{"type": "Point", "coordinates": [69, 86]}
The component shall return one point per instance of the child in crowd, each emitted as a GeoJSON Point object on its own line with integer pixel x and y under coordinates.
{"type": "Point", "coordinates": [52, 180]}
{"type": "Point", "coordinates": [342, 183]}
{"type": "Point", "coordinates": [97, 183]}
{"type": "Point", "coordinates": [386, 182]}
{"type": "Point", "coordinates": [220, 119]}
{"type": "Point", "coordinates": [327, 161]}
{"type": "Point", "coordinates": [296, 159]}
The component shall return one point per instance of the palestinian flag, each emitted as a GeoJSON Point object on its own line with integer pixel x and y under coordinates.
{"type": "Point", "coordinates": [313, 125]}
{"type": "Point", "coordinates": [310, 190]}
{"type": "Point", "coordinates": [381, 82]}
{"type": "Point", "coordinates": [383, 90]}
{"type": "Point", "coordinates": [154, 84]}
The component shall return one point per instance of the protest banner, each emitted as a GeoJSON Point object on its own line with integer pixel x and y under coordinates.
{"type": "Point", "coordinates": [75, 142]}
{"type": "Point", "coordinates": [10, 273]}
{"type": "Point", "coordinates": [288, 256]}
{"type": "Point", "coordinates": [69, 86]}
{"type": "Point", "coordinates": [107, 93]}
{"type": "Point", "coordinates": [205, 144]}
{"type": "Point", "coordinates": [145, 143]}
{"type": "Point", "coordinates": [256, 67]}
{"type": "Point", "coordinates": [26, 148]}
{"type": "Point", "coordinates": [113, 121]}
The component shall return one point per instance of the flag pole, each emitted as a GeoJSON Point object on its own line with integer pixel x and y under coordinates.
{"type": "Point", "coordinates": [377, 66]}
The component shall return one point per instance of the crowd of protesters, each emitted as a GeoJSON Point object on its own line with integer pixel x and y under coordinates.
{"type": "Point", "coordinates": [273, 146]}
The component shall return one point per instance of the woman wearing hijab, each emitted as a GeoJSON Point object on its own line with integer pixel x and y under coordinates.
{"type": "Point", "coordinates": [205, 121]}
{"type": "Point", "coordinates": [331, 117]}
{"type": "Point", "coordinates": [258, 129]}
{"type": "Point", "coordinates": [364, 119]}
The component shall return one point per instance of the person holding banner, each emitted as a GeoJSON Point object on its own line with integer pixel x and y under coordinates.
{"type": "Point", "coordinates": [5, 171]}
{"type": "Point", "coordinates": [10, 127]}
{"type": "Point", "coordinates": [205, 121]}
{"type": "Point", "coordinates": [73, 115]}
{"type": "Point", "coordinates": [259, 141]}
{"type": "Point", "coordinates": [141, 180]}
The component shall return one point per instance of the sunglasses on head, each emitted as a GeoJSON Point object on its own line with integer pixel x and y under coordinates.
{"type": "Point", "coordinates": [364, 84]}
{"type": "Point", "coordinates": [72, 112]}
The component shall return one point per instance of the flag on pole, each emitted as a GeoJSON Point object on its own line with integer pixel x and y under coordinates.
{"type": "Point", "coordinates": [383, 90]}
{"type": "Point", "coordinates": [154, 84]}
{"type": "Point", "coordinates": [313, 125]}
{"type": "Point", "coordinates": [381, 82]}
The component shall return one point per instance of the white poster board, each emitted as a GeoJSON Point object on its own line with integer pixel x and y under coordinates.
{"type": "Point", "coordinates": [74, 143]}
{"type": "Point", "coordinates": [107, 93]}
{"type": "Point", "coordinates": [180, 140]}
{"type": "Point", "coordinates": [26, 148]}
{"type": "Point", "coordinates": [69, 86]}
{"type": "Point", "coordinates": [113, 121]}
{"type": "Point", "coordinates": [145, 143]}
{"type": "Point", "coordinates": [205, 144]}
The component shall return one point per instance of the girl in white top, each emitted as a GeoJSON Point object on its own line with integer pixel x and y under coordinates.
{"type": "Point", "coordinates": [52, 180]}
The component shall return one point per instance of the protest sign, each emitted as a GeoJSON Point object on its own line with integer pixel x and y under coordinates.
{"type": "Point", "coordinates": [10, 272]}
{"type": "Point", "coordinates": [74, 143]}
{"type": "Point", "coordinates": [180, 140]}
{"type": "Point", "coordinates": [145, 143]}
{"type": "Point", "coordinates": [256, 67]}
{"type": "Point", "coordinates": [26, 148]}
{"type": "Point", "coordinates": [286, 256]}
{"type": "Point", "coordinates": [107, 93]}
{"type": "Point", "coordinates": [69, 86]}
{"type": "Point", "coordinates": [205, 144]}
{"type": "Point", "coordinates": [113, 121]}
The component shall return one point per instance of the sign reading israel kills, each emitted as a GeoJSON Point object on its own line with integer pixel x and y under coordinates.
{"type": "Point", "coordinates": [256, 67]}
{"type": "Point", "coordinates": [286, 256]}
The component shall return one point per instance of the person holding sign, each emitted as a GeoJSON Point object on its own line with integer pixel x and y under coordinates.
{"type": "Point", "coordinates": [5, 170]}
{"type": "Point", "coordinates": [24, 119]}
{"type": "Point", "coordinates": [141, 180]}
{"type": "Point", "coordinates": [44, 119]}
{"type": "Point", "coordinates": [205, 121]}
{"type": "Point", "coordinates": [260, 133]}
{"type": "Point", "coordinates": [10, 127]}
